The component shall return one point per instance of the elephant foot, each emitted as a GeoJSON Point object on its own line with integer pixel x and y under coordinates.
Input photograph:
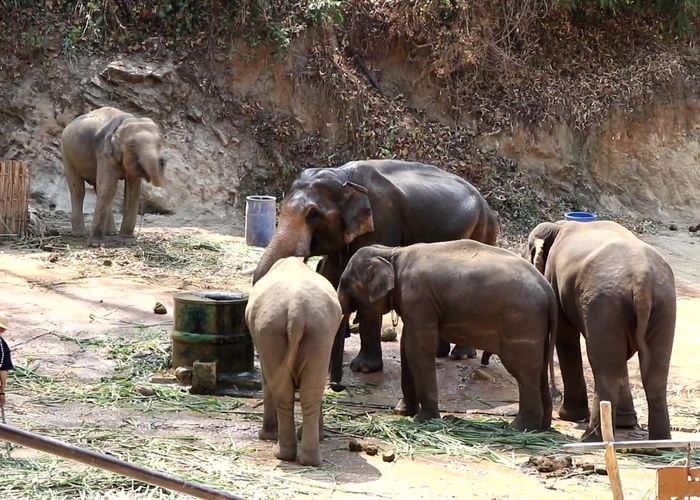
{"type": "Point", "coordinates": [96, 242]}
{"type": "Point", "coordinates": [127, 241]}
{"type": "Point", "coordinates": [312, 457]}
{"type": "Point", "coordinates": [267, 434]}
{"type": "Point", "coordinates": [337, 387]}
{"type": "Point", "coordinates": [286, 454]}
{"type": "Point", "coordinates": [522, 424]}
{"type": "Point", "coordinates": [460, 352]}
{"type": "Point", "coordinates": [626, 419]}
{"type": "Point", "coordinates": [486, 357]}
{"type": "Point", "coordinates": [574, 414]}
{"type": "Point", "coordinates": [367, 363]}
{"type": "Point", "coordinates": [406, 409]}
{"type": "Point", "coordinates": [424, 416]}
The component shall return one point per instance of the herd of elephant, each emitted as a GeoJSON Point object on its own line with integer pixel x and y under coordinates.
{"type": "Point", "coordinates": [412, 238]}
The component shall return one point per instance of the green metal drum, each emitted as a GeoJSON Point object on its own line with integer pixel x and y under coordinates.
{"type": "Point", "coordinates": [211, 327]}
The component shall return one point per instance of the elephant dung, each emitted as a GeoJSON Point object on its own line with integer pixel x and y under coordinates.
{"type": "Point", "coordinates": [144, 390]}
{"type": "Point", "coordinates": [183, 375]}
{"type": "Point", "coordinates": [159, 308]}
{"type": "Point", "coordinates": [388, 456]}
{"type": "Point", "coordinates": [203, 378]}
{"type": "Point", "coordinates": [354, 445]}
{"type": "Point", "coordinates": [371, 450]}
{"type": "Point", "coordinates": [389, 334]}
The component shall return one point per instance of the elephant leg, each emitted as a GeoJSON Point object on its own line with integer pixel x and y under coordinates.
{"type": "Point", "coordinates": [269, 425]}
{"type": "Point", "coordinates": [106, 188]}
{"type": "Point", "coordinates": [408, 404]}
{"type": "Point", "coordinates": [419, 346]}
{"type": "Point", "coordinates": [111, 227]}
{"type": "Point", "coordinates": [132, 189]}
{"type": "Point", "coordinates": [654, 373]}
{"type": "Point", "coordinates": [461, 352]}
{"type": "Point", "coordinates": [311, 396]}
{"type": "Point", "coordinates": [607, 353]}
{"type": "Point", "coordinates": [574, 407]}
{"type": "Point", "coordinates": [625, 415]}
{"type": "Point", "coordinates": [369, 358]}
{"type": "Point", "coordinates": [443, 348]}
{"type": "Point", "coordinates": [527, 369]}
{"type": "Point", "coordinates": [76, 186]}
{"type": "Point", "coordinates": [283, 397]}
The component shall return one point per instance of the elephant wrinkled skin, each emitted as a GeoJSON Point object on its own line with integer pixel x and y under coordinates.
{"type": "Point", "coordinates": [335, 211]}
{"type": "Point", "coordinates": [466, 292]}
{"type": "Point", "coordinates": [293, 314]}
{"type": "Point", "coordinates": [620, 294]}
{"type": "Point", "coordinates": [100, 148]}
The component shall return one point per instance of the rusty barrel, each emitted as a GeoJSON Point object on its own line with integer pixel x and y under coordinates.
{"type": "Point", "coordinates": [210, 327]}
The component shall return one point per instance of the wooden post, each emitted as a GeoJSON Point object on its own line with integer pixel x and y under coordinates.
{"type": "Point", "coordinates": [606, 429]}
{"type": "Point", "coordinates": [14, 189]}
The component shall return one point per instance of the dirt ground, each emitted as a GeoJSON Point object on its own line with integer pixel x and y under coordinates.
{"type": "Point", "coordinates": [71, 307]}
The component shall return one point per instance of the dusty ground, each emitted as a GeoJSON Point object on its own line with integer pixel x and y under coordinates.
{"type": "Point", "coordinates": [84, 334]}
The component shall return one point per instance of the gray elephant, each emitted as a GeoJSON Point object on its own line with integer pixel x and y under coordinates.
{"type": "Point", "coordinates": [466, 292]}
{"type": "Point", "coordinates": [100, 148]}
{"type": "Point", "coordinates": [620, 294]}
{"type": "Point", "coordinates": [293, 314]}
{"type": "Point", "coordinates": [336, 211]}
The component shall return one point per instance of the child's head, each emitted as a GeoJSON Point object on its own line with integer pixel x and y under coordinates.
{"type": "Point", "coordinates": [4, 323]}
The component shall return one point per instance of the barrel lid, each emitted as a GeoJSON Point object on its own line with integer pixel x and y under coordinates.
{"type": "Point", "coordinates": [212, 296]}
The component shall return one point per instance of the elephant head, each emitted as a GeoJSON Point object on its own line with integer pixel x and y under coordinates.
{"type": "Point", "coordinates": [135, 143]}
{"type": "Point", "coordinates": [322, 213]}
{"type": "Point", "coordinates": [540, 241]}
{"type": "Point", "coordinates": [367, 281]}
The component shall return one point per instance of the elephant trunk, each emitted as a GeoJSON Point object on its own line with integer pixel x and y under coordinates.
{"type": "Point", "coordinates": [336, 368]}
{"type": "Point", "coordinates": [152, 168]}
{"type": "Point", "coordinates": [292, 238]}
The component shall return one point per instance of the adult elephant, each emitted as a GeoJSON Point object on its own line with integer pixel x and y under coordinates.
{"type": "Point", "coordinates": [101, 147]}
{"type": "Point", "coordinates": [336, 211]}
{"type": "Point", "coordinates": [620, 294]}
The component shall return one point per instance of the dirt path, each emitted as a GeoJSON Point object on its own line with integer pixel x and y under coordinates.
{"type": "Point", "coordinates": [73, 309]}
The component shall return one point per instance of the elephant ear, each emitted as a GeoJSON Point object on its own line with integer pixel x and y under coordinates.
{"type": "Point", "coordinates": [538, 257]}
{"type": "Point", "coordinates": [381, 279]}
{"type": "Point", "coordinates": [541, 240]}
{"type": "Point", "coordinates": [356, 212]}
{"type": "Point", "coordinates": [108, 136]}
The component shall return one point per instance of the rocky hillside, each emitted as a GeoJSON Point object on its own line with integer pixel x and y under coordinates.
{"type": "Point", "coordinates": [543, 110]}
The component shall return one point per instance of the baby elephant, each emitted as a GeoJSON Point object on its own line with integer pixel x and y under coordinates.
{"type": "Point", "coordinates": [293, 314]}
{"type": "Point", "coordinates": [468, 293]}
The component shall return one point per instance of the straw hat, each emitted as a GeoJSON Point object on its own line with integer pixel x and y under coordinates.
{"type": "Point", "coordinates": [4, 322]}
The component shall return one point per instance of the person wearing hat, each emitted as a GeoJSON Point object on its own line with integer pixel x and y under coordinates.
{"type": "Point", "coordinates": [5, 360]}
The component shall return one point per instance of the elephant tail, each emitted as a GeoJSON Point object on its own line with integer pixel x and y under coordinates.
{"type": "Point", "coordinates": [642, 309]}
{"type": "Point", "coordinates": [296, 324]}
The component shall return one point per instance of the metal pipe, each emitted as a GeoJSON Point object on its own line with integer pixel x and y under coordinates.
{"type": "Point", "coordinates": [660, 443]}
{"type": "Point", "coordinates": [65, 450]}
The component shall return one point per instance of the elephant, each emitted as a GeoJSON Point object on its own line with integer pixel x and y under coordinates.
{"type": "Point", "coordinates": [293, 314]}
{"type": "Point", "coordinates": [100, 148]}
{"type": "Point", "coordinates": [335, 211]}
{"type": "Point", "coordinates": [619, 292]}
{"type": "Point", "coordinates": [467, 292]}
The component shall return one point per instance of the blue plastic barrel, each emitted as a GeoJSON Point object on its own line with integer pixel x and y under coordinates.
{"type": "Point", "coordinates": [260, 218]}
{"type": "Point", "coordinates": [580, 216]}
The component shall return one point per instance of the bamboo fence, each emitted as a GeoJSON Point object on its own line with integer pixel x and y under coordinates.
{"type": "Point", "coordinates": [14, 206]}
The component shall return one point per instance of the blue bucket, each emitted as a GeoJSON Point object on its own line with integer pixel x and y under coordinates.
{"type": "Point", "coordinates": [580, 216]}
{"type": "Point", "coordinates": [260, 218]}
